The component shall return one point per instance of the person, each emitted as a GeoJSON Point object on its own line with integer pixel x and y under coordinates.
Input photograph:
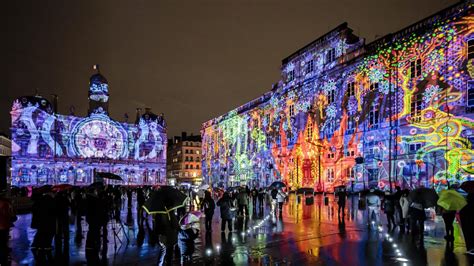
{"type": "Point", "coordinates": [341, 203]}
{"type": "Point", "coordinates": [62, 222]}
{"type": "Point", "coordinates": [261, 197]}
{"type": "Point", "coordinates": [396, 200]}
{"type": "Point", "coordinates": [7, 218]}
{"type": "Point", "coordinates": [273, 196]}
{"type": "Point", "coordinates": [243, 201]}
{"type": "Point", "coordinates": [254, 193]}
{"type": "Point", "coordinates": [166, 227]}
{"type": "Point", "coordinates": [225, 204]}
{"type": "Point", "coordinates": [389, 209]}
{"type": "Point", "coordinates": [466, 216]}
{"type": "Point", "coordinates": [44, 221]}
{"type": "Point", "coordinates": [281, 196]}
{"type": "Point", "coordinates": [373, 205]}
{"type": "Point", "coordinates": [208, 207]}
{"type": "Point", "coordinates": [187, 234]}
{"type": "Point", "coordinates": [404, 205]}
{"type": "Point", "coordinates": [448, 219]}
{"type": "Point", "coordinates": [92, 214]}
{"type": "Point", "coordinates": [140, 203]}
{"type": "Point", "coordinates": [417, 220]}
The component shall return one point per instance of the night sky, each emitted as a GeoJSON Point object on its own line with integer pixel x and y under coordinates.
{"type": "Point", "coordinates": [192, 60]}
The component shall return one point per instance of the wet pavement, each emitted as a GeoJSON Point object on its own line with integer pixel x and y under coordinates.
{"type": "Point", "coordinates": [305, 235]}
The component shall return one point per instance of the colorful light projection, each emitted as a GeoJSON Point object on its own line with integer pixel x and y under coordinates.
{"type": "Point", "coordinates": [400, 103]}
{"type": "Point", "coordinates": [50, 148]}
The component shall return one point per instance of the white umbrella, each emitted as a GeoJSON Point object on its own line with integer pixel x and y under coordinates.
{"type": "Point", "coordinates": [204, 187]}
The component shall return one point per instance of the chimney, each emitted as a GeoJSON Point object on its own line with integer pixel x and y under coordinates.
{"type": "Point", "coordinates": [183, 135]}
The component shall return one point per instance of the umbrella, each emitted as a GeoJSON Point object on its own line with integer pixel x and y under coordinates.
{"type": "Point", "coordinates": [233, 189]}
{"type": "Point", "coordinates": [451, 200]}
{"type": "Point", "coordinates": [426, 196]}
{"type": "Point", "coordinates": [61, 187]}
{"type": "Point", "coordinates": [305, 190]}
{"type": "Point", "coordinates": [204, 187]}
{"type": "Point", "coordinates": [42, 189]}
{"type": "Point", "coordinates": [164, 200]}
{"type": "Point", "coordinates": [109, 176]}
{"type": "Point", "coordinates": [190, 218]}
{"type": "Point", "coordinates": [278, 184]}
{"type": "Point", "coordinates": [468, 186]}
{"type": "Point", "coordinates": [376, 192]}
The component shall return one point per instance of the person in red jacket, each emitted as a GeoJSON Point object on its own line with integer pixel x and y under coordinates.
{"type": "Point", "coordinates": [7, 217]}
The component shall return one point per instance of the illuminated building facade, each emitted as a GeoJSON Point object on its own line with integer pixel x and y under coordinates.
{"type": "Point", "coordinates": [50, 148]}
{"type": "Point", "coordinates": [399, 110]}
{"type": "Point", "coordinates": [184, 159]}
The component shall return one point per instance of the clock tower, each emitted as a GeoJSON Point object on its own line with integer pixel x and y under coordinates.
{"type": "Point", "coordinates": [98, 93]}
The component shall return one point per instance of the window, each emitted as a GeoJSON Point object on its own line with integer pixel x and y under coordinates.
{"type": "Point", "coordinates": [186, 159]}
{"type": "Point", "coordinates": [291, 110]}
{"type": "Point", "coordinates": [331, 96]}
{"type": "Point", "coordinates": [186, 174]}
{"type": "Point", "coordinates": [197, 166]}
{"type": "Point", "coordinates": [470, 93]}
{"type": "Point", "coordinates": [197, 152]}
{"type": "Point", "coordinates": [186, 151]}
{"type": "Point", "coordinates": [191, 151]}
{"type": "Point", "coordinates": [413, 147]}
{"type": "Point", "coordinates": [350, 153]}
{"type": "Point", "coordinates": [374, 86]}
{"type": "Point", "coordinates": [415, 111]}
{"type": "Point", "coordinates": [373, 117]}
{"type": "Point", "coordinates": [351, 124]}
{"type": "Point", "coordinates": [291, 75]}
{"type": "Point", "coordinates": [310, 66]}
{"type": "Point", "coordinates": [191, 166]}
{"type": "Point", "coordinates": [186, 166]}
{"type": "Point", "coordinates": [331, 155]}
{"type": "Point", "coordinates": [330, 55]}
{"type": "Point", "coordinates": [350, 173]}
{"type": "Point", "coordinates": [309, 132]}
{"type": "Point", "coordinates": [350, 89]}
{"type": "Point", "coordinates": [470, 49]}
{"type": "Point", "coordinates": [330, 175]}
{"type": "Point", "coordinates": [415, 68]}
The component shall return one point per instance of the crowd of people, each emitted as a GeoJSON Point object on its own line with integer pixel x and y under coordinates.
{"type": "Point", "coordinates": [100, 207]}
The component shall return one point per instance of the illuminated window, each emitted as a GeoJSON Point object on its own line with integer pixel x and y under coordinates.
{"type": "Point", "coordinates": [197, 152]}
{"type": "Point", "coordinates": [373, 117]}
{"type": "Point", "coordinates": [309, 131]}
{"type": "Point", "coordinates": [330, 175]}
{"type": "Point", "coordinates": [415, 68]}
{"type": "Point", "coordinates": [415, 111]}
{"type": "Point", "coordinates": [470, 49]}
{"type": "Point", "coordinates": [310, 66]}
{"type": "Point", "coordinates": [331, 96]}
{"type": "Point", "coordinates": [291, 110]}
{"type": "Point", "coordinates": [374, 86]}
{"type": "Point", "coordinates": [330, 55]}
{"type": "Point", "coordinates": [350, 89]}
{"type": "Point", "coordinates": [291, 75]}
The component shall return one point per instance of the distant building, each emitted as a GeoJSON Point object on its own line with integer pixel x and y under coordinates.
{"type": "Point", "coordinates": [5, 145]}
{"type": "Point", "coordinates": [184, 159]}
{"type": "Point", "coordinates": [51, 148]}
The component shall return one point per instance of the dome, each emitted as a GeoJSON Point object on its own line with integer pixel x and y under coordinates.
{"type": "Point", "coordinates": [97, 78]}
{"type": "Point", "coordinates": [28, 101]}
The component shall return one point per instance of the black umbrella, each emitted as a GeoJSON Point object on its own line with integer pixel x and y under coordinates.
{"type": "Point", "coordinates": [426, 196]}
{"type": "Point", "coordinates": [468, 186]}
{"type": "Point", "coordinates": [305, 190]}
{"type": "Point", "coordinates": [164, 200]}
{"type": "Point", "coordinates": [376, 192]}
{"type": "Point", "coordinates": [278, 184]}
{"type": "Point", "coordinates": [109, 176]}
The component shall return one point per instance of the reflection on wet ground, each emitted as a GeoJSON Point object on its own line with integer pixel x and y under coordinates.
{"type": "Point", "coordinates": [306, 235]}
